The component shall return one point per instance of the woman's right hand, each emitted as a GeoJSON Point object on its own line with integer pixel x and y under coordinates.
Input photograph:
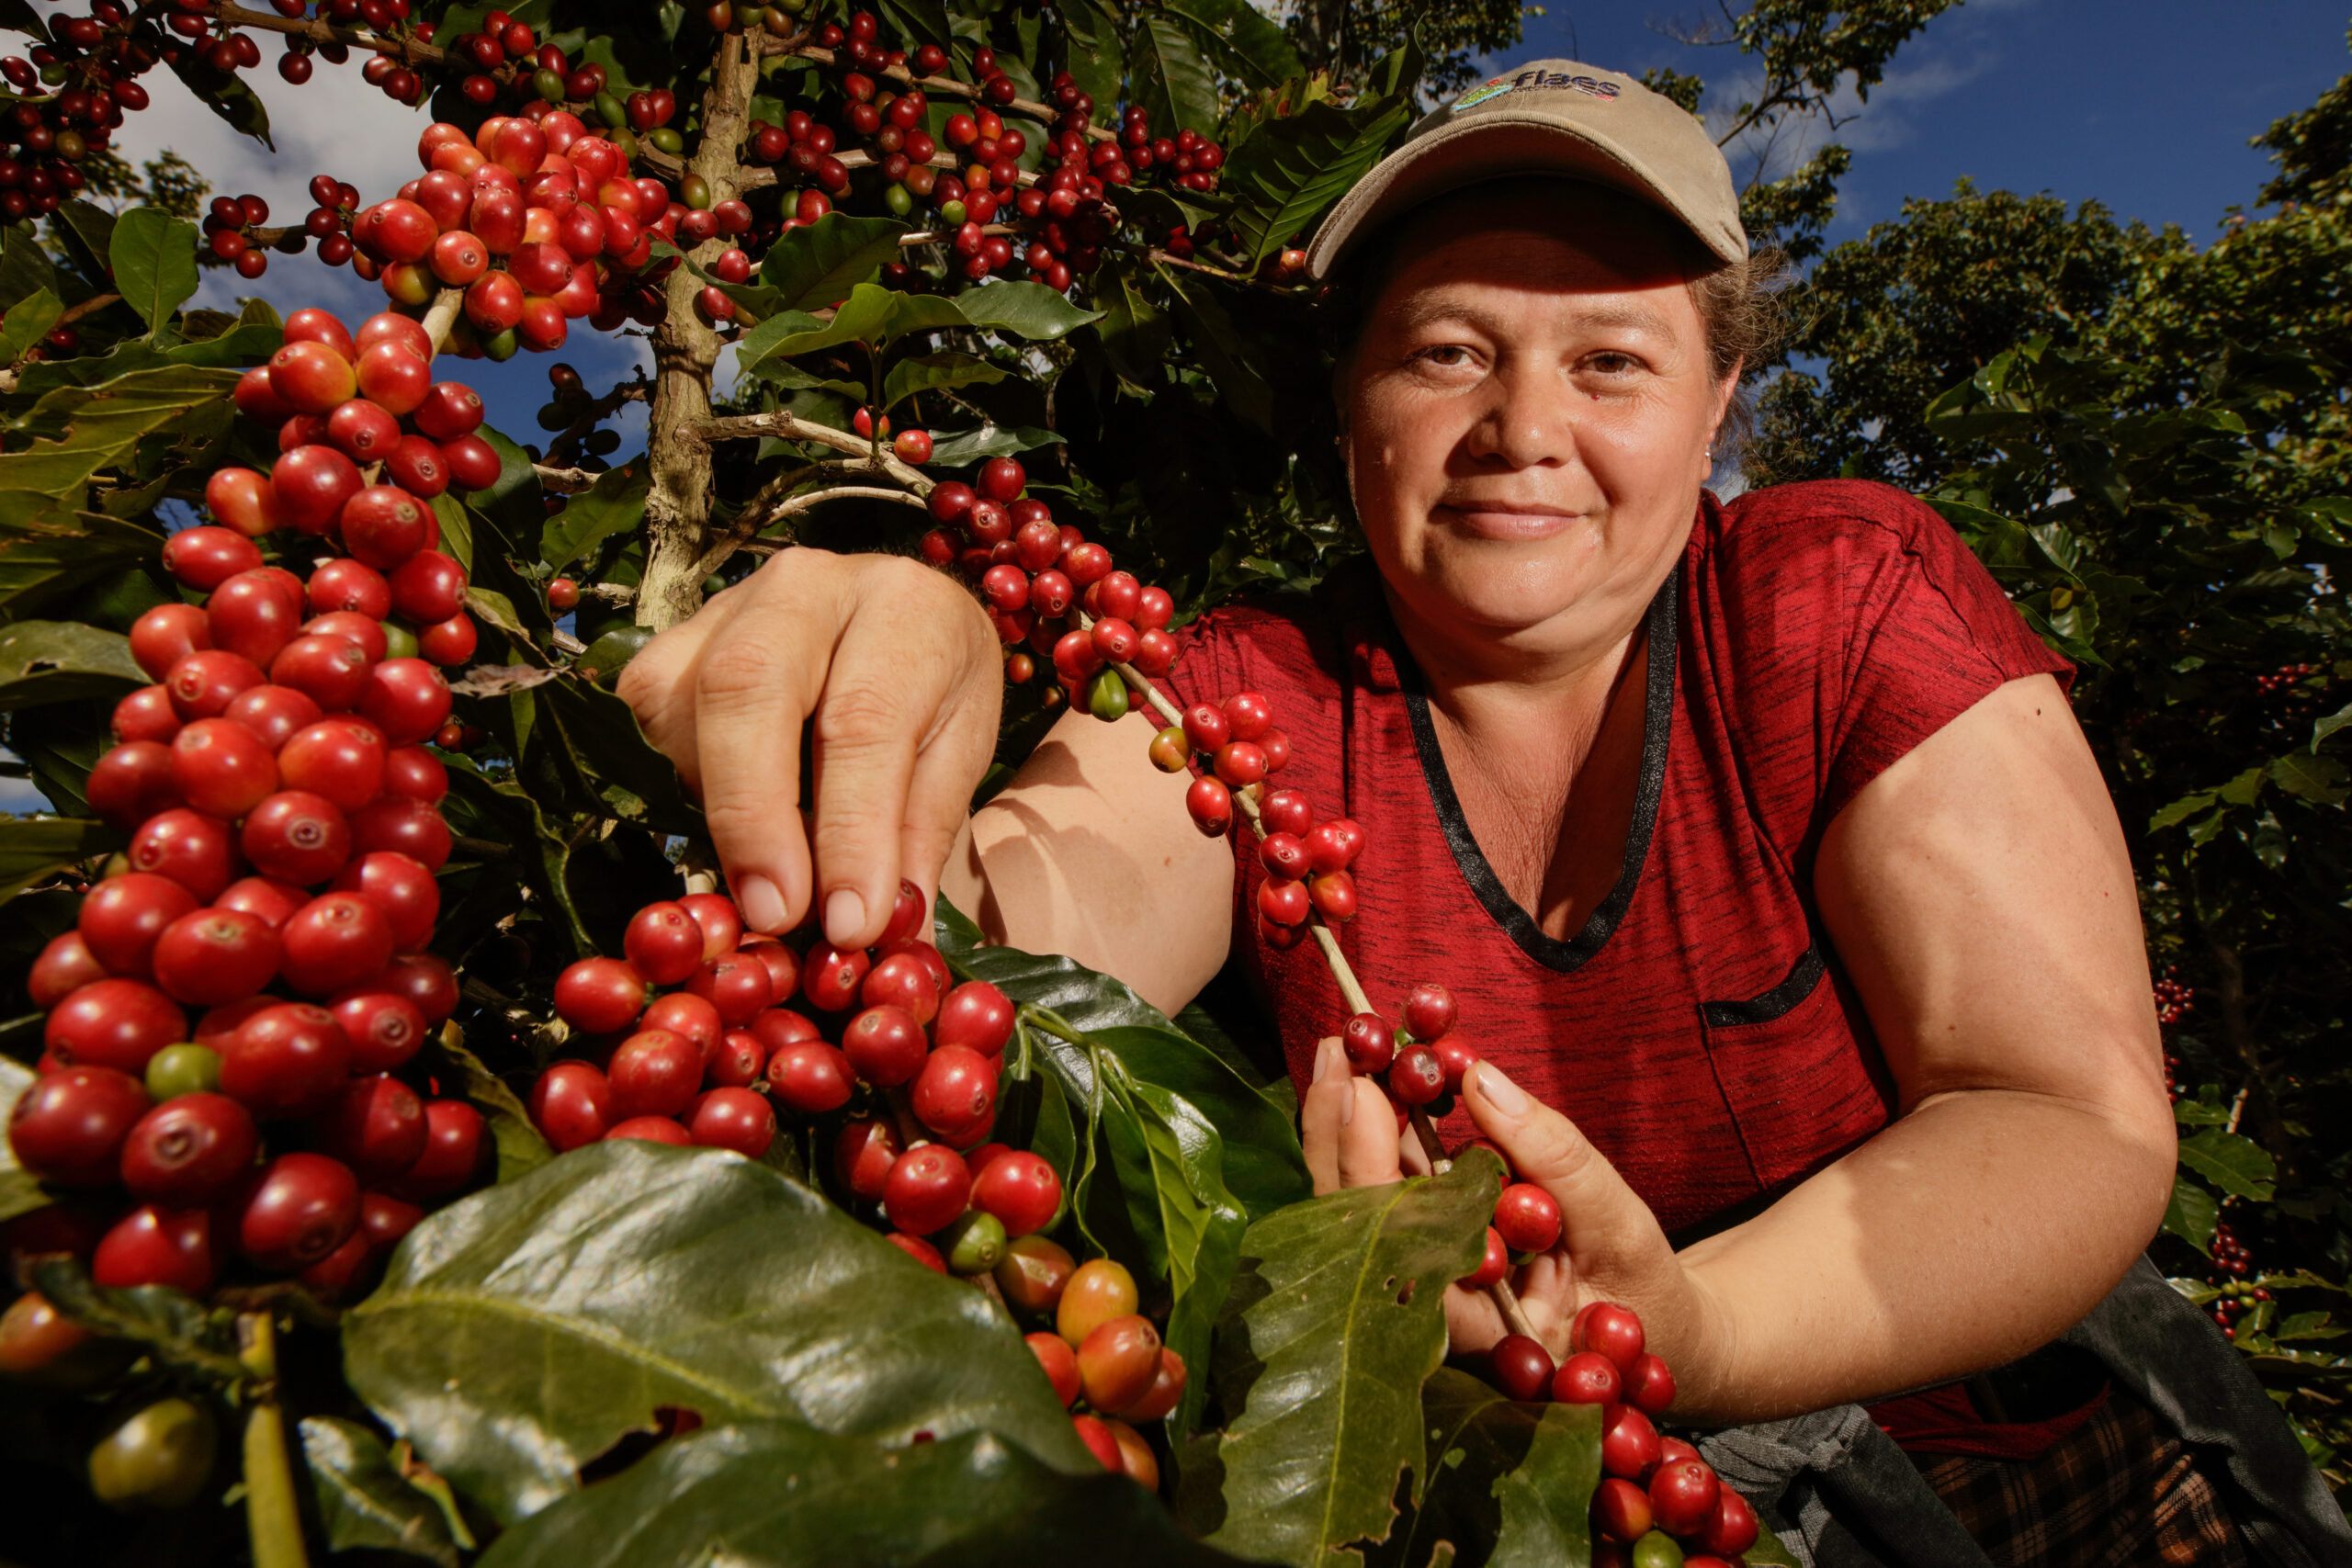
{"type": "Point", "coordinates": [897, 670]}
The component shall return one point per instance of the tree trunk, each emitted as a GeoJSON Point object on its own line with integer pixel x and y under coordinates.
{"type": "Point", "coordinates": [686, 348]}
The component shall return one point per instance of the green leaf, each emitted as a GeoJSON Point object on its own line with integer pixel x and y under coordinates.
{"type": "Point", "coordinates": [2322, 780]}
{"type": "Point", "coordinates": [84, 232]}
{"type": "Point", "coordinates": [2192, 1214]}
{"type": "Point", "coordinates": [1134, 332]}
{"type": "Point", "coordinates": [815, 266]}
{"type": "Point", "coordinates": [2322, 729]}
{"type": "Point", "coordinates": [1024, 309]}
{"type": "Point", "coordinates": [935, 373]}
{"type": "Point", "coordinates": [1289, 173]}
{"type": "Point", "coordinates": [521, 1148]}
{"type": "Point", "coordinates": [1096, 63]}
{"type": "Point", "coordinates": [593, 739]}
{"type": "Point", "coordinates": [1243, 385]}
{"type": "Point", "coordinates": [1336, 1320]}
{"type": "Point", "coordinates": [611, 652]}
{"type": "Point", "coordinates": [226, 96]}
{"type": "Point", "coordinates": [1262, 1163]}
{"type": "Point", "coordinates": [2238, 1166]}
{"type": "Point", "coordinates": [154, 258]}
{"type": "Point", "coordinates": [613, 504]}
{"type": "Point", "coordinates": [1241, 39]}
{"type": "Point", "coordinates": [24, 267]}
{"type": "Point", "coordinates": [253, 335]}
{"type": "Point", "coordinates": [969, 446]}
{"type": "Point", "coordinates": [363, 1501]}
{"type": "Point", "coordinates": [32, 846]}
{"type": "Point", "coordinates": [1521, 1476]}
{"type": "Point", "coordinates": [59, 662]}
{"type": "Point", "coordinates": [29, 321]}
{"type": "Point", "coordinates": [176, 1328]}
{"type": "Point", "coordinates": [688, 1278]}
{"type": "Point", "coordinates": [1168, 76]}
{"type": "Point", "coordinates": [2180, 811]}
{"type": "Point", "coordinates": [87, 429]}
{"type": "Point", "coordinates": [772, 1493]}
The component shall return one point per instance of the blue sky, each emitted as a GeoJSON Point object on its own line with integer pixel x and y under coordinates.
{"type": "Point", "coordinates": [2146, 106]}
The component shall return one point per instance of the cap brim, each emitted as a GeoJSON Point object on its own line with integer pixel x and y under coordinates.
{"type": "Point", "coordinates": [1491, 146]}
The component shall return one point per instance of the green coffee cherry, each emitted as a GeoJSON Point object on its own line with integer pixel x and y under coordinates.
{"type": "Point", "coordinates": [666, 138]}
{"type": "Point", "coordinates": [183, 1070]}
{"type": "Point", "coordinates": [608, 110]}
{"type": "Point", "coordinates": [973, 1245]}
{"type": "Point", "coordinates": [1106, 696]}
{"type": "Point", "coordinates": [399, 638]}
{"type": "Point", "coordinates": [161, 1457]}
{"type": "Point", "coordinates": [548, 84]}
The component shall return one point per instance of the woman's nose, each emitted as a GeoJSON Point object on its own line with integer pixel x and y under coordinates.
{"type": "Point", "coordinates": [1528, 421]}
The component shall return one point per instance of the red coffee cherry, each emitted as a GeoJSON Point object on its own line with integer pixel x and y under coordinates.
{"type": "Point", "coordinates": [885, 1046]}
{"type": "Point", "coordinates": [211, 957]}
{"type": "Point", "coordinates": [926, 1190]}
{"type": "Point", "coordinates": [1683, 1495]}
{"type": "Point", "coordinates": [407, 699]}
{"type": "Point", "coordinates": [737, 985]}
{"type": "Point", "coordinates": [69, 1127]}
{"type": "Point", "coordinates": [1210, 804]}
{"type": "Point", "coordinates": [1492, 1266]}
{"type": "Point", "coordinates": [863, 1154]}
{"type": "Point", "coordinates": [385, 1030]}
{"type": "Point", "coordinates": [735, 1119]}
{"type": "Point", "coordinates": [903, 981]}
{"type": "Point", "coordinates": [376, 1127]}
{"type": "Point", "coordinates": [1528, 1218]}
{"type": "Point", "coordinates": [132, 783]}
{"type": "Point", "coordinates": [333, 943]}
{"type": "Point", "coordinates": [1587, 1379]}
{"type": "Point", "coordinates": [653, 1073]}
{"type": "Point", "coordinates": [401, 825]}
{"type": "Point", "coordinates": [955, 1092]}
{"type": "Point", "coordinates": [190, 848]}
{"type": "Point", "coordinates": [123, 918]}
{"type": "Point", "coordinates": [652, 1130]}
{"type": "Point", "coordinates": [571, 1105]}
{"type": "Point", "coordinates": [978, 1015]}
{"type": "Point", "coordinates": [1629, 1444]}
{"type": "Point", "coordinates": [1649, 1386]}
{"type": "Point", "coordinates": [1429, 1012]}
{"type": "Point", "coordinates": [1610, 1330]}
{"type": "Point", "coordinates": [811, 1077]}
{"type": "Point", "coordinates": [297, 838]}
{"type": "Point", "coordinates": [163, 635]}
{"type": "Point", "coordinates": [289, 1059]}
{"type": "Point", "coordinates": [400, 886]}
{"type": "Point", "coordinates": [424, 980]}
{"type": "Point", "coordinates": [1733, 1529]}
{"type": "Point", "coordinates": [1119, 1362]}
{"type": "Point", "coordinates": [66, 965]}
{"type": "Point", "coordinates": [153, 1246]}
{"type": "Point", "coordinates": [115, 1022]}
{"type": "Point", "coordinates": [663, 943]}
{"type": "Point", "coordinates": [453, 1152]}
{"type": "Point", "coordinates": [1621, 1511]}
{"type": "Point", "coordinates": [1333, 846]}
{"type": "Point", "coordinates": [304, 1206]}
{"type": "Point", "coordinates": [1523, 1366]}
{"type": "Point", "coordinates": [1369, 1042]}
{"type": "Point", "coordinates": [1414, 1078]}
{"type": "Point", "coordinates": [274, 713]}
{"type": "Point", "coordinates": [739, 1061]}
{"type": "Point", "coordinates": [690, 1018]}
{"type": "Point", "coordinates": [599, 995]}
{"type": "Point", "coordinates": [830, 978]}
{"type": "Point", "coordinates": [1022, 1189]}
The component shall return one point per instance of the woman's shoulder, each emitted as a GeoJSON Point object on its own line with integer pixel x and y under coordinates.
{"type": "Point", "coordinates": [1797, 521]}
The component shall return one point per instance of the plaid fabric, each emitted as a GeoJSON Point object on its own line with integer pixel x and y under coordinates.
{"type": "Point", "coordinates": [2118, 1493]}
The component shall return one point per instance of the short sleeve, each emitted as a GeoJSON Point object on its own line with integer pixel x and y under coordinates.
{"type": "Point", "coordinates": [1855, 623]}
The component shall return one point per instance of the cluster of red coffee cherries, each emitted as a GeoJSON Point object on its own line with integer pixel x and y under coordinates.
{"type": "Point", "coordinates": [284, 826]}
{"type": "Point", "coordinates": [1099, 1351]}
{"type": "Point", "coordinates": [94, 62]}
{"type": "Point", "coordinates": [2284, 679]}
{"type": "Point", "coordinates": [2231, 1265]}
{"type": "Point", "coordinates": [1659, 1503]}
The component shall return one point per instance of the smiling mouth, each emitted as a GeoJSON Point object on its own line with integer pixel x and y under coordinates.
{"type": "Point", "coordinates": [1504, 521]}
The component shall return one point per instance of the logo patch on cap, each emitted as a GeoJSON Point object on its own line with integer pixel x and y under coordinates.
{"type": "Point", "coordinates": [1488, 91]}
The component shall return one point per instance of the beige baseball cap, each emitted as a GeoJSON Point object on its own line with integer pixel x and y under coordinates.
{"type": "Point", "coordinates": [1549, 117]}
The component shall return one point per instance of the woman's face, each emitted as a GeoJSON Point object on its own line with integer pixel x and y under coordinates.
{"type": "Point", "coordinates": [1527, 411]}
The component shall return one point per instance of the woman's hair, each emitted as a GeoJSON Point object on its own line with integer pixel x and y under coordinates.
{"type": "Point", "coordinates": [1740, 303]}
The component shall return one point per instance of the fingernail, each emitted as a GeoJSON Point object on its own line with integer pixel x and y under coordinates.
{"type": "Point", "coordinates": [1327, 1054]}
{"type": "Point", "coordinates": [1499, 1091]}
{"type": "Point", "coordinates": [763, 905]}
{"type": "Point", "coordinates": [844, 916]}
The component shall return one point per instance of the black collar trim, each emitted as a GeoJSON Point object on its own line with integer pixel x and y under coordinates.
{"type": "Point", "coordinates": [1657, 723]}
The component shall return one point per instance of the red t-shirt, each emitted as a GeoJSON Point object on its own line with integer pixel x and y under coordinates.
{"type": "Point", "coordinates": [1698, 1028]}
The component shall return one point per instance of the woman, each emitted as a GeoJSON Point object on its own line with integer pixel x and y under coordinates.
{"type": "Point", "coordinates": [1781, 888]}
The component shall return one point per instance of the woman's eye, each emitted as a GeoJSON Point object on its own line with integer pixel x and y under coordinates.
{"type": "Point", "coordinates": [1446, 355]}
{"type": "Point", "coordinates": [1611, 364]}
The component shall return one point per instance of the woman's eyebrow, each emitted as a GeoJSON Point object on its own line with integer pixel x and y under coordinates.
{"type": "Point", "coordinates": [1430, 308]}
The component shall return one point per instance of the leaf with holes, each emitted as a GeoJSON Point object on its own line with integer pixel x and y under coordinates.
{"type": "Point", "coordinates": [63, 662]}
{"type": "Point", "coordinates": [363, 1501]}
{"type": "Point", "coordinates": [1519, 1475]}
{"type": "Point", "coordinates": [688, 1278]}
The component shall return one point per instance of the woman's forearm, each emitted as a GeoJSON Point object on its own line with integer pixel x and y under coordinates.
{"type": "Point", "coordinates": [1978, 1227]}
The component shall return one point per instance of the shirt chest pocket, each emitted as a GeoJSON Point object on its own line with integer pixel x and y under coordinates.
{"type": "Point", "coordinates": [1794, 1073]}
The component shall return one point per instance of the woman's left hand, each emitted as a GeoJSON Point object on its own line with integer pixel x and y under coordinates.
{"type": "Point", "coordinates": [1611, 1245]}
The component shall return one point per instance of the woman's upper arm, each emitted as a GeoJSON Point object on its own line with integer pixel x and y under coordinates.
{"type": "Point", "coordinates": [1980, 896]}
{"type": "Point", "coordinates": [1089, 852]}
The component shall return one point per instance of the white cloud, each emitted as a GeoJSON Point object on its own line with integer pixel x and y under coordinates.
{"type": "Point", "coordinates": [1882, 122]}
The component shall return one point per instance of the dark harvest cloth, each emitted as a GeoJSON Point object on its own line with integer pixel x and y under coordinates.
{"type": "Point", "coordinates": [1698, 1027]}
